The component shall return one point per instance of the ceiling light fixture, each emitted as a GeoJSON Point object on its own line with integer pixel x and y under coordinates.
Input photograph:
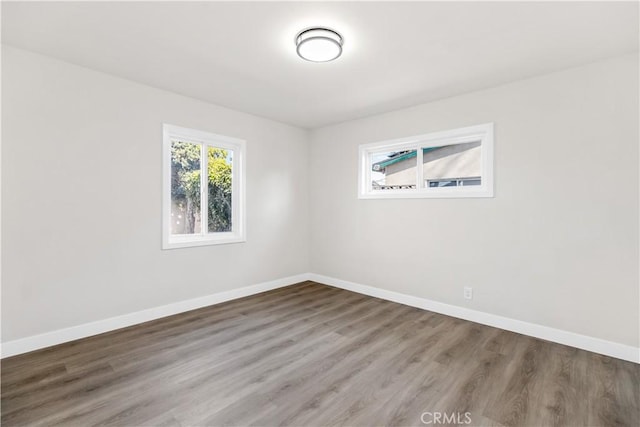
{"type": "Point", "coordinates": [319, 44]}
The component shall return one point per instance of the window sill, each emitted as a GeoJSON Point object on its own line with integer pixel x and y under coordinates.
{"type": "Point", "coordinates": [176, 242]}
{"type": "Point", "coordinates": [427, 194]}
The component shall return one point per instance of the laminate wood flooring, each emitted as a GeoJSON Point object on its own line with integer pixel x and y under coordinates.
{"type": "Point", "coordinates": [314, 355]}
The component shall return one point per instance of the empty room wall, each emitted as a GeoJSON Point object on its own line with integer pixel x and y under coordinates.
{"type": "Point", "coordinates": [81, 190]}
{"type": "Point", "coordinates": [556, 246]}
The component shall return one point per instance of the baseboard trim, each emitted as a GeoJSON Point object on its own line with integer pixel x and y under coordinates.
{"type": "Point", "coordinates": [48, 339]}
{"type": "Point", "coordinates": [596, 345]}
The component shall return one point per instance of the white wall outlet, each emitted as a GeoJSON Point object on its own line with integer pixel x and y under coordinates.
{"type": "Point", "coordinates": [468, 292]}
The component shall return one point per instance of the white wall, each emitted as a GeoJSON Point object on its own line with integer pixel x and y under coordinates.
{"type": "Point", "coordinates": [557, 246]}
{"type": "Point", "coordinates": [81, 198]}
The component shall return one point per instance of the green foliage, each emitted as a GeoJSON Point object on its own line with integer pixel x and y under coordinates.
{"type": "Point", "coordinates": [219, 190]}
{"type": "Point", "coordinates": [185, 186]}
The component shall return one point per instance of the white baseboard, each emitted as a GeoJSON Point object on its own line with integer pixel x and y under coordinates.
{"type": "Point", "coordinates": [35, 342]}
{"type": "Point", "coordinates": [596, 345]}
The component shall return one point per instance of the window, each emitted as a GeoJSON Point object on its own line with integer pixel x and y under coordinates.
{"type": "Point", "coordinates": [203, 188]}
{"type": "Point", "coordinates": [455, 163]}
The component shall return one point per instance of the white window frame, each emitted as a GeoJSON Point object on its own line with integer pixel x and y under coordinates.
{"type": "Point", "coordinates": [482, 133]}
{"type": "Point", "coordinates": [238, 194]}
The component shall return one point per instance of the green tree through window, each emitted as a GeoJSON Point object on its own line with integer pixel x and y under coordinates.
{"type": "Point", "coordinates": [185, 188]}
{"type": "Point", "coordinates": [219, 168]}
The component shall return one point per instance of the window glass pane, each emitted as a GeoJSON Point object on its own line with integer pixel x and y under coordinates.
{"type": "Point", "coordinates": [466, 182]}
{"type": "Point", "coordinates": [471, 181]}
{"type": "Point", "coordinates": [185, 188]}
{"type": "Point", "coordinates": [442, 183]}
{"type": "Point", "coordinates": [393, 170]}
{"type": "Point", "coordinates": [452, 165]}
{"type": "Point", "coordinates": [220, 167]}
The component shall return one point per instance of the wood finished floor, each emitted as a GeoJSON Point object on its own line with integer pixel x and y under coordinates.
{"type": "Point", "coordinates": [313, 355]}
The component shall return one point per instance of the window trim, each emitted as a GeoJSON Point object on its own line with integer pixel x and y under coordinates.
{"type": "Point", "coordinates": [238, 193]}
{"type": "Point", "coordinates": [483, 133]}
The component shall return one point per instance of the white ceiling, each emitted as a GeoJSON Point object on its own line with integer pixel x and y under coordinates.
{"type": "Point", "coordinates": [241, 55]}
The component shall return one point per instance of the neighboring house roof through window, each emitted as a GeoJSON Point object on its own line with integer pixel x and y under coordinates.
{"type": "Point", "coordinates": [399, 157]}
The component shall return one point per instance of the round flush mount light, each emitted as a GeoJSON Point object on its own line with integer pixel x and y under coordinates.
{"type": "Point", "coordinates": [319, 44]}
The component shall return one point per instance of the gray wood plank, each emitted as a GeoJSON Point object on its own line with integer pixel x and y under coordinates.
{"type": "Point", "coordinates": [314, 355]}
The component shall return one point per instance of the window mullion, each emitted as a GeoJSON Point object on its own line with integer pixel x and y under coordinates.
{"type": "Point", "coordinates": [204, 190]}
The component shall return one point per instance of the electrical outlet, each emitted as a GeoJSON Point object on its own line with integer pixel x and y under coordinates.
{"type": "Point", "coordinates": [468, 292]}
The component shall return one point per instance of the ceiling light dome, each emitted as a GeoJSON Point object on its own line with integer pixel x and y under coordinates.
{"type": "Point", "coordinates": [319, 44]}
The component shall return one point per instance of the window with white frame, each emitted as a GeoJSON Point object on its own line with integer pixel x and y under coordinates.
{"type": "Point", "coordinates": [453, 163]}
{"type": "Point", "coordinates": [203, 188]}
